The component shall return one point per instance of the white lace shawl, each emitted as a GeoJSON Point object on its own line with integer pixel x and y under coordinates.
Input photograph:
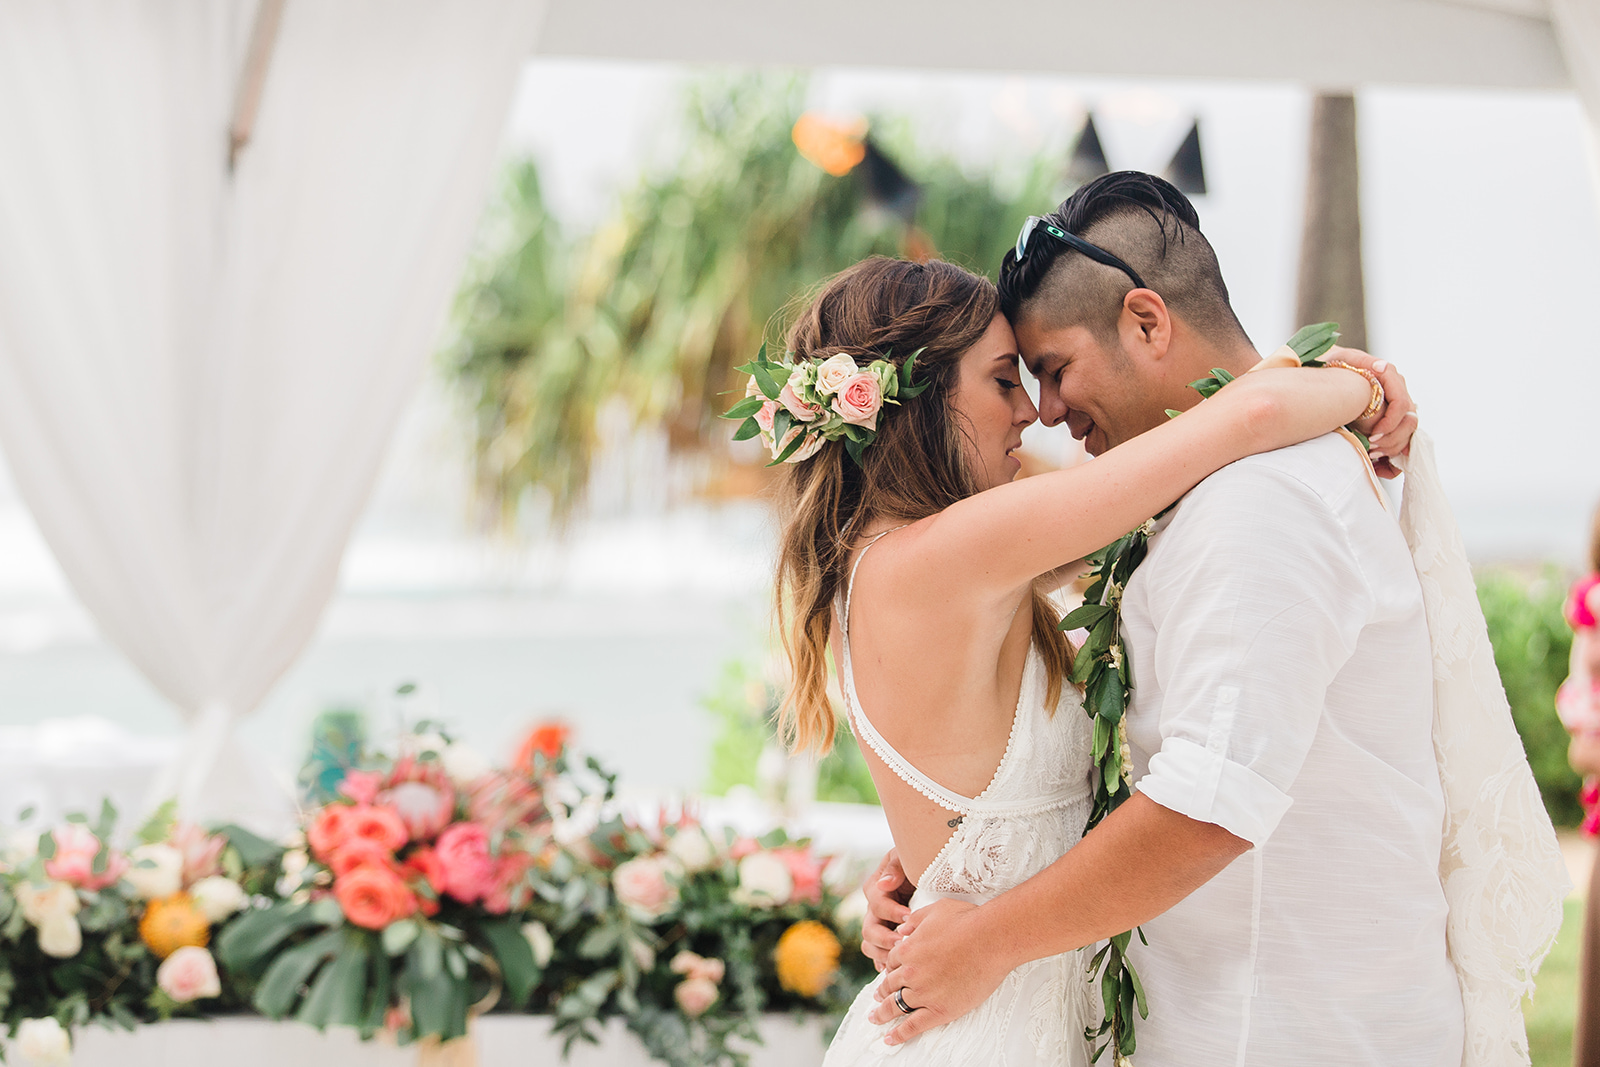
{"type": "Point", "coordinates": [1503, 874]}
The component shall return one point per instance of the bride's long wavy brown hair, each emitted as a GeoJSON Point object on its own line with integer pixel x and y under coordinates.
{"type": "Point", "coordinates": [879, 309]}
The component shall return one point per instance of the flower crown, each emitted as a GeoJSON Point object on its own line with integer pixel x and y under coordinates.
{"type": "Point", "coordinates": [797, 407]}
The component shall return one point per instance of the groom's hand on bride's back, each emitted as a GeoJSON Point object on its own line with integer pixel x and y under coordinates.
{"type": "Point", "coordinates": [888, 891]}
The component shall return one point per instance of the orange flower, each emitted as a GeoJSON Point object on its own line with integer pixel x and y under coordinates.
{"type": "Point", "coordinates": [834, 147]}
{"type": "Point", "coordinates": [807, 958]}
{"type": "Point", "coordinates": [359, 852]}
{"type": "Point", "coordinates": [547, 739]}
{"type": "Point", "coordinates": [174, 922]}
{"type": "Point", "coordinates": [371, 822]}
{"type": "Point", "coordinates": [328, 830]}
{"type": "Point", "coordinates": [373, 896]}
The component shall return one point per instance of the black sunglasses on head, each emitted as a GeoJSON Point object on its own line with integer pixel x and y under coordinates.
{"type": "Point", "coordinates": [1074, 242]}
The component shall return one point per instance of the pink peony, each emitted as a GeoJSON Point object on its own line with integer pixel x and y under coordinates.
{"type": "Point", "coordinates": [73, 863]}
{"type": "Point", "coordinates": [189, 974]}
{"type": "Point", "coordinates": [464, 861]}
{"type": "Point", "coordinates": [424, 808]}
{"type": "Point", "coordinates": [202, 852]}
{"type": "Point", "coordinates": [859, 399]}
{"type": "Point", "coordinates": [643, 888]}
{"type": "Point", "coordinates": [695, 996]}
{"type": "Point", "coordinates": [806, 871]}
{"type": "Point", "coordinates": [361, 786]}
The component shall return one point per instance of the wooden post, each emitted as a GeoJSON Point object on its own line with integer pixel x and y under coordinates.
{"type": "Point", "coordinates": [1331, 287]}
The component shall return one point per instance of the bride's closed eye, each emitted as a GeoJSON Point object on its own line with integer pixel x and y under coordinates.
{"type": "Point", "coordinates": [1007, 384]}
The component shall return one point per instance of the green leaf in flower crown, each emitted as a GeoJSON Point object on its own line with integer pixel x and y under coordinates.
{"type": "Point", "coordinates": [855, 449]}
{"type": "Point", "coordinates": [781, 422]}
{"type": "Point", "coordinates": [744, 408]}
{"type": "Point", "coordinates": [1311, 342]}
{"type": "Point", "coordinates": [747, 429]}
{"type": "Point", "coordinates": [764, 380]}
{"type": "Point", "coordinates": [793, 447]}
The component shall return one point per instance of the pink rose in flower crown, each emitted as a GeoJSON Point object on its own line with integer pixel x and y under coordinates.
{"type": "Point", "coordinates": [73, 863]}
{"type": "Point", "coordinates": [464, 861]}
{"type": "Point", "coordinates": [373, 897]}
{"type": "Point", "coordinates": [789, 396]}
{"type": "Point", "coordinates": [361, 786]}
{"type": "Point", "coordinates": [807, 449]}
{"type": "Point", "coordinates": [858, 400]}
{"type": "Point", "coordinates": [642, 886]}
{"type": "Point", "coordinates": [835, 371]}
{"type": "Point", "coordinates": [379, 824]}
{"type": "Point", "coordinates": [202, 852]}
{"type": "Point", "coordinates": [189, 974]}
{"type": "Point", "coordinates": [764, 416]}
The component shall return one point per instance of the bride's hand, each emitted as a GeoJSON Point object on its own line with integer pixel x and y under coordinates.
{"type": "Point", "coordinates": [887, 892]}
{"type": "Point", "coordinates": [1390, 430]}
{"type": "Point", "coordinates": [943, 971]}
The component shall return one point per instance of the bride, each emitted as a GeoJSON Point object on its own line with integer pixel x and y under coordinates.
{"type": "Point", "coordinates": [908, 551]}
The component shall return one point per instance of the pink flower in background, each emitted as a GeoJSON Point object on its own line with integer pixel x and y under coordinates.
{"type": "Point", "coordinates": [328, 830]}
{"type": "Point", "coordinates": [502, 800]}
{"type": "Point", "coordinates": [806, 871]}
{"type": "Point", "coordinates": [361, 786]}
{"type": "Point", "coordinates": [76, 849]}
{"type": "Point", "coordinates": [859, 399]}
{"type": "Point", "coordinates": [423, 807]}
{"type": "Point", "coordinates": [359, 852]}
{"type": "Point", "coordinates": [189, 974]}
{"type": "Point", "coordinates": [510, 891]}
{"type": "Point", "coordinates": [373, 897]}
{"type": "Point", "coordinates": [374, 823]}
{"type": "Point", "coordinates": [642, 886]}
{"type": "Point", "coordinates": [464, 860]}
{"type": "Point", "coordinates": [695, 996]}
{"type": "Point", "coordinates": [202, 852]}
{"type": "Point", "coordinates": [742, 847]}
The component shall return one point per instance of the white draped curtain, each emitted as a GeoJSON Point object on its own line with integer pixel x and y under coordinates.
{"type": "Point", "coordinates": [200, 370]}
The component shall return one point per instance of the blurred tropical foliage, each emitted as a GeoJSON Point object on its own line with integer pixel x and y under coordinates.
{"type": "Point", "coordinates": [1531, 647]}
{"type": "Point", "coordinates": [682, 282]}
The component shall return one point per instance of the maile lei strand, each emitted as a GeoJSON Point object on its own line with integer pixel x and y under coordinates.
{"type": "Point", "coordinates": [1101, 667]}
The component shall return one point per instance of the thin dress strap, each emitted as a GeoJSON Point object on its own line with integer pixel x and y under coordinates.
{"type": "Point", "coordinates": [893, 760]}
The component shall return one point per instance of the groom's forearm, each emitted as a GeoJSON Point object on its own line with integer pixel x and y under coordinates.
{"type": "Point", "coordinates": [1140, 861]}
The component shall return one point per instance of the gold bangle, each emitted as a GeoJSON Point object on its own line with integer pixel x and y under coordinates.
{"type": "Point", "coordinates": [1374, 405]}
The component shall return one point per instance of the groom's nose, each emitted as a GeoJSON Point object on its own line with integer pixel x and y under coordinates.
{"type": "Point", "coordinates": [1052, 409]}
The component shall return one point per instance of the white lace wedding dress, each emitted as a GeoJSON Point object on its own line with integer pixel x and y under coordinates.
{"type": "Point", "coordinates": [1033, 810]}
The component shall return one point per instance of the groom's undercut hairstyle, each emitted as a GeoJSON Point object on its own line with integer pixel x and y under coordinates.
{"type": "Point", "coordinates": [1147, 223]}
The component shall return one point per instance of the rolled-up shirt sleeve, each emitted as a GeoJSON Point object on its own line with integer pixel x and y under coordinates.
{"type": "Point", "coordinates": [1259, 604]}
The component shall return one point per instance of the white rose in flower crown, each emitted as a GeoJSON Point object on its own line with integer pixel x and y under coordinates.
{"type": "Point", "coordinates": [540, 941]}
{"type": "Point", "coordinates": [154, 871]}
{"type": "Point", "coordinates": [691, 847]}
{"type": "Point", "coordinates": [52, 900]}
{"type": "Point", "coordinates": [642, 886]}
{"type": "Point", "coordinates": [189, 974]}
{"type": "Point", "coordinates": [858, 401]}
{"type": "Point", "coordinates": [43, 1042]}
{"type": "Point", "coordinates": [60, 936]}
{"type": "Point", "coordinates": [218, 897]}
{"type": "Point", "coordinates": [834, 372]}
{"type": "Point", "coordinates": [764, 881]}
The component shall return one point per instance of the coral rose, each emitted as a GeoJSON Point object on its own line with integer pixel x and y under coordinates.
{"type": "Point", "coordinates": [642, 886]}
{"type": "Point", "coordinates": [859, 399]}
{"type": "Point", "coordinates": [807, 958]}
{"type": "Point", "coordinates": [189, 974]}
{"type": "Point", "coordinates": [329, 829]}
{"type": "Point", "coordinates": [359, 852]}
{"type": "Point", "coordinates": [172, 923]}
{"type": "Point", "coordinates": [695, 996]}
{"type": "Point", "coordinates": [373, 896]}
{"type": "Point", "coordinates": [73, 863]}
{"type": "Point", "coordinates": [371, 822]}
{"type": "Point", "coordinates": [463, 852]}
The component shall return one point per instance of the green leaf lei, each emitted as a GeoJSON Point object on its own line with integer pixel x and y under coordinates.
{"type": "Point", "coordinates": [1101, 666]}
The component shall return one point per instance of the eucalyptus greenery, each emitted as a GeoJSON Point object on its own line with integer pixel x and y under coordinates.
{"type": "Point", "coordinates": [1102, 667]}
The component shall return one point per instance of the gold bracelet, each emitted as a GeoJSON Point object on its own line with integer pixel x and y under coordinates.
{"type": "Point", "coordinates": [1375, 405]}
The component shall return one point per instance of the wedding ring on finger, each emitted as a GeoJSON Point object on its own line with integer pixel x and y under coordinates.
{"type": "Point", "coordinates": [900, 1002]}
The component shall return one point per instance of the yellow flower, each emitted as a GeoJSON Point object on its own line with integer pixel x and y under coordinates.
{"type": "Point", "coordinates": [807, 958]}
{"type": "Point", "coordinates": [174, 922]}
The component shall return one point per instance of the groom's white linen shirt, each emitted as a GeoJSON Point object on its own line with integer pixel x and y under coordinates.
{"type": "Point", "coordinates": [1283, 690]}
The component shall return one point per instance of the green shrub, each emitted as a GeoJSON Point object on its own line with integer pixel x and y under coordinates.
{"type": "Point", "coordinates": [1531, 645]}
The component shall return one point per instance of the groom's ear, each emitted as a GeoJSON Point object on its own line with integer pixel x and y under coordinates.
{"type": "Point", "coordinates": [1145, 325]}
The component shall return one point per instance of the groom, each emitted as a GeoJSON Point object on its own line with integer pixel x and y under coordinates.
{"type": "Point", "coordinates": [1281, 848]}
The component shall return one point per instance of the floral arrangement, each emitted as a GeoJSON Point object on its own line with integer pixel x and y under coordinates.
{"type": "Point", "coordinates": [795, 408]}
{"type": "Point", "coordinates": [92, 932]}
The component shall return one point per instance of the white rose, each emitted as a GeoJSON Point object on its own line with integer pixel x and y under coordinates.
{"type": "Point", "coordinates": [61, 937]}
{"type": "Point", "coordinates": [852, 910]}
{"type": "Point", "coordinates": [21, 845]}
{"type": "Point", "coordinates": [43, 1042]}
{"type": "Point", "coordinates": [218, 897]}
{"type": "Point", "coordinates": [764, 881]}
{"type": "Point", "coordinates": [295, 862]}
{"type": "Point", "coordinates": [834, 372]}
{"type": "Point", "coordinates": [693, 849]}
{"type": "Point", "coordinates": [464, 764]}
{"type": "Point", "coordinates": [53, 900]}
{"type": "Point", "coordinates": [189, 974]}
{"type": "Point", "coordinates": [155, 871]}
{"type": "Point", "coordinates": [539, 939]}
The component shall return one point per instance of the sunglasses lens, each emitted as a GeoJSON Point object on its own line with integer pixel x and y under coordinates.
{"type": "Point", "coordinates": [1022, 238]}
